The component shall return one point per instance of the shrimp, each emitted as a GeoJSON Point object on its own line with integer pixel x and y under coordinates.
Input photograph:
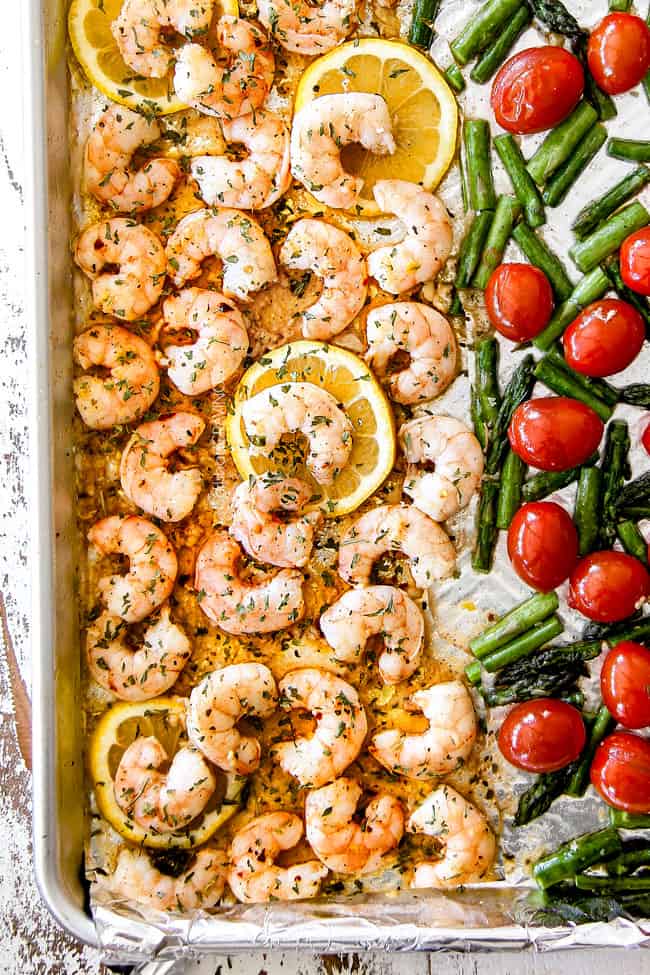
{"type": "Point", "coordinates": [231, 235]}
{"type": "Point", "coordinates": [396, 528]}
{"type": "Point", "coordinates": [136, 285]}
{"type": "Point", "coordinates": [446, 743]}
{"type": "Point", "coordinates": [300, 408]}
{"type": "Point", "coordinates": [199, 887]}
{"type": "Point", "coordinates": [458, 459]}
{"type": "Point", "coordinates": [136, 675]}
{"type": "Point", "coordinates": [346, 846]}
{"type": "Point", "coordinates": [152, 569]}
{"type": "Point", "coordinates": [163, 802]}
{"type": "Point", "coordinates": [331, 254]}
{"type": "Point", "coordinates": [229, 91]}
{"type": "Point", "coordinates": [322, 127]}
{"type": "Point", "coordinates": [140, 23]}
{"type": "Point", "coordinates": [253, 183]}
{"type": "Point", "coordinates": [408, 327]}
{"type": "Point", "coordinates": [468, 844]}
{"type": "Point", "coordinates": [237, 606]}
{"type": "Point", "coordinates": [219, 702]}
{"type": "Point", "coordinates": [265, 537]}
{"type": "Point", "coordinates": [308, 26]}
{"type": "Point", "coordinates": [219, 346]}
{"type": "Point", "coordinates": [132, 383]}
{"type": "Point", "coordinates": [144, 473]}
{"type": "Point", "coordinates": [382, 611]}
{"type": "Point", "coordinates": [426, 245]}
{"type": "Point", "coordinates": [253, 876]}
{"type": "Point", "coordinates": [117, 135]}
{"type": "Point", "coordinates": [340, 729]}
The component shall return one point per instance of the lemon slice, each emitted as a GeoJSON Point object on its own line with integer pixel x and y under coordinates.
{"type": "Point", "coordinates": [163, 717]}
{"type": "Point", "coordinates": [422, 107]}
{"type": "Point", "coordinates": [89, 25]}
{"type": "Point", "coordinates": [351, 383]}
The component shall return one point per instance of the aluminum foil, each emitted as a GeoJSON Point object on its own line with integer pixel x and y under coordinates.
{"type": "Point", "coordinates": [494, 916]}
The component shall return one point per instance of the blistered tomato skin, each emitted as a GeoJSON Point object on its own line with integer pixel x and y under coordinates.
{"type": "Point", "coordinates": [542, 735]}
{"type": "Point", "coordinates": [625, 684]}
{"type": "Point", "coordinates": [635, 261]}
{"type": "Point", "coordinates": [608, 586]}
{"type": "Point", "coordinates": [554, 433]}
{"type": "Point", "coordinates": [620, 772]}
{"type": "Point", "coordinates": [605, 338]}
{"type": "Point", "coordinates": [519, 301]}
{"type": "Point", "coordinates": [618, 52]}
{"type": "Point", "coordinates": [542, 545]}
{"type": "Point", "coordinates": [536, 89]}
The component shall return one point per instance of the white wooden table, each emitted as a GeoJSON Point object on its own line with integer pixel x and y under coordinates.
{"type": "Point", "coordinates": [30, 941]}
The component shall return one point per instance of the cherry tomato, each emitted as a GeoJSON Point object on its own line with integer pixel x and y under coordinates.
{"type": "Point", "coordinates": [607, 586]}
{"type": "Point", "coordinates": [619, 52]}
{"type": "Point", "coordinates": [542, 735]}
{"type": "Point", "coordinates": [625, 684]}
{"type": "Point", "coordinates": [554, 433]}
{"type": "Point", "coordinates": [536, 89]}
{"type": "Point", "coordinates": [645, 437]}
{"type": "Point", "coordinates": [542, 544]}
{"type": "Point", "coordinates": [519, 301]}
{"type": "Point", "coordinates": [605, 338]}
{"type": "Point", "coordinates": [620, 771]}
{"type": "Point", "coordinates": [635, 261]}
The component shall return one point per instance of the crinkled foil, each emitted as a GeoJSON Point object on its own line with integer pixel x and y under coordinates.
{"type": "Point", "coordinates": [498, 915]}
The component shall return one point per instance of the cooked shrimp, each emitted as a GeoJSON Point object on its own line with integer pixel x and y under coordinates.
{"type": "Point", "coordinates": [322, 127]}
{"type": "Point", "coordinates": [340, 729]}
{"type": "Point", "coordinates": [265, 536]}
{"type": "Point", "coordinates": [458, 458]}
{"type": "Point", "coordinates": [344, 845]}
{"type": "Point", "coordinates": [446, 743]}
{"type": "Point", "coordinates": [140, 23]}
{"type": "Point", "coordinates": [152, 566]}
{"type": "Point", "coordinates": [467, 841]}
{"type": "Point", "coordinates": [237, 606]}
{"type": "Point", "coordinates": [306, 409]}
{"type": "Point", "coordinates": [111, 144]}
{"type": "Point", "coordinates": [308, 26]}
{"type": "Point", "coordinates": [219, 702]}
{"type": "Point", "coordinates": [254, 878]}
{"type": "Point", "coordinates": [135, 287]}
{"type": "Point", "coordinates": [136, 675]}
{"type": "Point", "coordinates": [427, 242]}
{"type": "Point", "coordinates": [144, 473]}
{"type": "Point", "coordinates": [132, 383]}
{"type": "Point", "coordinates": [219, 346]}
{"type": "Point", "coordinates": [331, 254]}
{"type": "Point", "coordinates": [382, 611]}
{"type": "Point", "coordinates": [158, 801]}
{"type": "Point", "coordinates": [407, 327]}
{"type": "Point", "coordinates": [199, 887]}
{"type": "Point", "coordinates": [396, 528]}
{"type": "Point", "coordinates": [231, 235]}
{"type": "Point", "coordinates": [229, 91]}
{"type": "Point", "coordinates": [255, 182]}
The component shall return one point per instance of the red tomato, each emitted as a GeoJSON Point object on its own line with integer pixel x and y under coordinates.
{"type": "Point", "coordinates": [635, 261]}
{"type": "Point", "coordinates": [619, 52]}
{"type": "Point", "coordinates": [645, 438]}
{"type": "Point", "coordinates": [605, 338]}
{"type": "Point", "coordinates": [608, 586]}
{"type": "Point", "coordinates": [542, 735]}
{"type": "Point", "coordinates": [519, 301]}
{"type": "Point", "coordinates": [536, 89]}
{"type": "Point", "coordinates": [620, 771]}
{"type": "Point", "coordinates": [625, 684]}
{"type": "Point", "coordinates": [542, 544]}
{"type": "Point", "coordinates": [554, 433]}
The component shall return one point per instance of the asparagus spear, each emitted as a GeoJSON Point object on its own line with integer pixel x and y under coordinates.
{"type": "Point", "coordinates": [472, 248]}
{"type": "Point", "coordinates": [637, 492]}
{"type": "Point", "coordinates": [512, 476]}
{"type": "Point", "coordinates": [541, 795]}
{"type": "Point", "coordinates": [614, 885]}
{"type": "Point", "coordinates": [608, 238]}
{"type": "Point", "coordinates": [630, 149]}
{"type": "Point", "coordinates": [578, 907]}
{"type": "Point", "coordinates": [599, 387]}
{"type": "Point", "coordinates": [611, 267]}
{"type": "Point", "coordinates": [455, 78]}
{"type": "Point", "coordinates": [564, 384]}
{"type": "Point", "coordinates": [561, 142]}
{"type": "Point", "coordinates": [577, 855]}
{"type": "Point", "coordinates": [516, 621]}
{"type": "Point", "coordinates": [635, 854]}
{"type": "Point", "coordinates": [488, 397]}
{"type": "Point", "coordinates": [521, 646]}
{"type": "Point", "coordinates": [539, 254]}
{"type": "Point", "coordinates": [587, 509]}
{"type": "Point", "coordinates": [518, 389]}
{"type": "Point", "coordinates": [638, 394]}
{"type": "Point", "coordinates": [632, 540]}
{"type": "Point", "coordinates": [596, 212]}
{"type": "Point", "coordinates": [601, 727]}
{"type": "Point", "coordinates": [563, 179]}
{"type": "Point", "coordinates": [622, 5]}
{"type": "Point", "coordinates": [603, 104]}
{"type": "Point", "coordinates": [546, 482]}
{"type": "Point", "coordinates": [548, 673]}
{"type": "Point", "coordinates": [508, 211]}
{"type": "Point", "coordinates": [625, 820]}
{"type": "Point", "coordinates": [478, 165]}
{"type": "Point", "coordinates": [482, 29]}
{"type": "Point", "coordinates": [638, 513]}
{"type": "Point", "coordinates": [487, 531]}
{"type": "Point", "coordinates": [422, 21]}
{"type": "Point", "coordinates": [555, 16]}
{"type": "Point", "coordinates": [590, 649]}
{"type": "Point", "coordinates": [590, 288]}
{"type": "Point", "coordinates": [497, 52]}
{"type": "Point", "coordinates": [522, 182]}
{"type": "Point", "coordinates": [614, 469]}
